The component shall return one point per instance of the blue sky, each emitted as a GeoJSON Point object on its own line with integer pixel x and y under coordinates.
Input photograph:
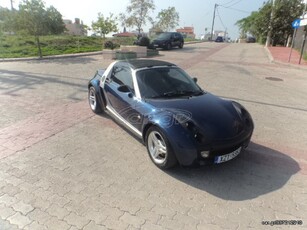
{"type": "Point", "coordinates": [197, 13]}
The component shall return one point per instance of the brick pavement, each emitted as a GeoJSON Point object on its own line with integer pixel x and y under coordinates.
{"type": "Point", "coordinates": [30, 131]}
{"type": "Point", "coordinates": [58, 169]}
{"type": "Point", "coordinates": [282, 54]}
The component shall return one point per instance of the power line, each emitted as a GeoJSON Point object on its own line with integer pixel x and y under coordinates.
{"type": "Point", "coordinates": [234, 4]}
{"type": "Point", "coordinates": [228, 3]}
{"type": "Point", "coordinates": [218, 14]}
{"type": "Point", "coordinates": [239, 10]}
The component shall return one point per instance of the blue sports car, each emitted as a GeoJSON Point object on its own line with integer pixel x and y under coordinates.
{"type": "Point", "coordinates": [177, 120]}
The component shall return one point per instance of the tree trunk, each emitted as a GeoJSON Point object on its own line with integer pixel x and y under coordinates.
{"type": "Point", "coordinates": [39, 47]}
{"type": "Point", "coordinates": [139, 30]}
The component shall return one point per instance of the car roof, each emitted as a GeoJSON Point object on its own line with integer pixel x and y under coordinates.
{"type": "Point", "coordinates": [171, 33]}
{"type": "Point", "coordinates": [143, 63]}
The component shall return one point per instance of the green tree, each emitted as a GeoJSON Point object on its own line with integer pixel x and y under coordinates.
{"type": "Point", "coordinates": [285, 11]}
{"type": "Point", "coordinates": [168, 19]}
{"type": "Point", "coordinates": [138, 13]}
{"type": "Point", "coordinates": [55, 21]}
{"type": "Point", "coordinates": [248, 25]}
{"type": "Point", "coordinates": [104, 25]}
{"type": "Point", "coordinates": [7, 20]}
{"type": "Point", "coordinates": [34, 19]}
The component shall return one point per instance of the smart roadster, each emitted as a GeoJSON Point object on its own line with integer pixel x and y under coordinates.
{"type": "Point", "coordinates": [177, 120]}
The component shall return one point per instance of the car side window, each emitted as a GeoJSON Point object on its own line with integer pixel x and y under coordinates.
{"type": "Point", "coordinates": [122, 75]}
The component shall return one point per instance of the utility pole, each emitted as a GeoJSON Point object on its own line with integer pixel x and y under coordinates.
{"type": "Point", "coordinates": [12, 7]}
{"type": "Point", "coordinates": [215, 6]}
{"type": "Point", "coordinates": [268, 39]}
{"type": "Point", "coordinates": [303, 45]}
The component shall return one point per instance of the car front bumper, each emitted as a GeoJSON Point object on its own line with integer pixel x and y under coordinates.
{"type": "Point", "coordinates": [188, 152]}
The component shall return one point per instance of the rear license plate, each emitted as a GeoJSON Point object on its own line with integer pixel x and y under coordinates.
{"type": "Point", "coordinates": [227, 157]}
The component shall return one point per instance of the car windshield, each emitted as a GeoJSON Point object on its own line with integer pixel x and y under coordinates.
{"type": "Point", "coordinates": [164, 36]}
{"type": "Point", "coordinates": [166, 82]}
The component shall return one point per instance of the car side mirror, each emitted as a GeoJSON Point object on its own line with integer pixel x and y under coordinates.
{"type": "Point", "coordinates": [195, 79]}
{"type": "Point", "coordinates": [124, 89]}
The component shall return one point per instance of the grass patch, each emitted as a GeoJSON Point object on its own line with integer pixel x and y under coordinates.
{"type": "Point", "coordinates": [14, 46]}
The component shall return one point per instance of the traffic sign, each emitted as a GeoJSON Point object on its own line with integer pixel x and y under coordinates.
{"type": "Point", "coordinates": [296, 23]}
{"type": "Point", "coordinates": [303, 22]}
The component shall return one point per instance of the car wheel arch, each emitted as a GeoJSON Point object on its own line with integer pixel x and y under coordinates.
{"type": "Point", "coordinates": [171, 160]}
{"type": "Point", "coordinates": [100, 95]}
{"type": "Point", "coordinates": [145, 129]}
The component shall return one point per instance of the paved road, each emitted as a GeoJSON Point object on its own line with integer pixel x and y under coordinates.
{"type": "Point", "coordinates": [62, 167]}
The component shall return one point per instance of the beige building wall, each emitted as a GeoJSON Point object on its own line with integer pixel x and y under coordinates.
{"type": "Point", "coordinates": [76, 28]}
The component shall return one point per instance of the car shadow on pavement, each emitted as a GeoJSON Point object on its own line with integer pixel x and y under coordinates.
{"type": "Point", "coordinates": [257, 171]}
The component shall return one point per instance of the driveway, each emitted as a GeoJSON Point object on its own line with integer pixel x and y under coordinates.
{"type": "Point", "coordinates": [62, 167]}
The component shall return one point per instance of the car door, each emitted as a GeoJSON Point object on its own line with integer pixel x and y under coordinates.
{"type": "Point", "coordinates": [119, 89]}
{"type": "Point", "coordinates": [173, 38]}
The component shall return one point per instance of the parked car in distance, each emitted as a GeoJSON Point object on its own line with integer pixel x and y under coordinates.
{"type": "Point", "coordinates": [168, 40]}
{"type": "Point", "coordinates": [219, 39]}
{"type": "Point", "coordinates": [250, 39]}
{"type": "Point", "coordinates": [177, 120]}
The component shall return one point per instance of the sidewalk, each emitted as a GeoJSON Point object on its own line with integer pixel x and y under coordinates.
{"type": "Point", "coordinates": [281, 55]}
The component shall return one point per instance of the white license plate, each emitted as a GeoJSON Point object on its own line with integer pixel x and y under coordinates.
{"type": "Point", "coordinates": [227, 157]}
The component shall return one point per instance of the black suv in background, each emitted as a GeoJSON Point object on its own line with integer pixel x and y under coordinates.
{"type": "Point", "coordinates": [168, 40]}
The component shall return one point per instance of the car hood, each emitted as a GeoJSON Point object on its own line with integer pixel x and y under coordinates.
{"type": "Point", "coordinates": [215, 117]}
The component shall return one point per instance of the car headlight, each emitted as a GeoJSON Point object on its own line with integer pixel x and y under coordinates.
{"type": "Point", "coordinates": [242, 112]}
{"type": "Point", "coordinates": [199, 137]}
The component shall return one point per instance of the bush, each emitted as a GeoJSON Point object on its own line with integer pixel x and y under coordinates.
{"type": "Point", "coordinates": [32, 43]}
{"type": "Point", "coordinates": [144, 41]}
{"type": "Point", "coordinates": [110, 45]}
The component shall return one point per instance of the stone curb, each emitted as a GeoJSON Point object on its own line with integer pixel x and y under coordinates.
{"type": "Point", "coordinates": [51, 57]}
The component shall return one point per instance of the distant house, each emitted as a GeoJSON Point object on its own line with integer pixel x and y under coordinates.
{"type": "Point", "coordinates": [154, 31]}
{"type": "Point", "coordinates": [75, 28]}
{"type": "Point", "coordinates": [187, 32]}
{"type": "Point", "coordinates": [125, 34]}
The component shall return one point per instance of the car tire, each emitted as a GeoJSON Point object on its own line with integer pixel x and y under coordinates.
{"type": "Point", "coordinates": [181, 45]}
{"type": "Point", "coordinates": [169, 46]}
{"type": "Point", "coordinates": [159, 149]}
{"type": "Point", "coordinates": [93, 100]}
